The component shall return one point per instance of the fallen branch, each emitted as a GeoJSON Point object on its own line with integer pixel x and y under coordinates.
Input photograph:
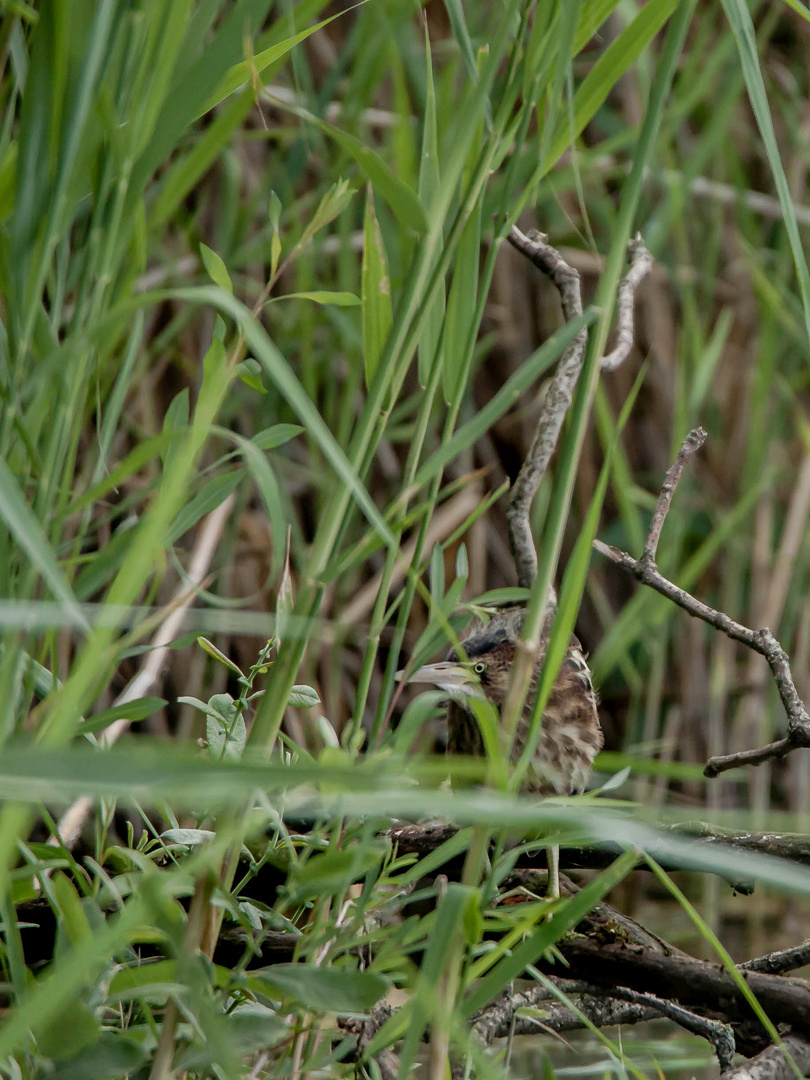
{"type": "Point", "coordinates": [761, 641]}
{"type": "Point", "coordinates": [422, 839]}
{"type": "Point", "coordinates": [773, 1064]}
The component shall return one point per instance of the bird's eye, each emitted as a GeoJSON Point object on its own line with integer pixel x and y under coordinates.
{"type": "Point", "coordinates": [479, 668]}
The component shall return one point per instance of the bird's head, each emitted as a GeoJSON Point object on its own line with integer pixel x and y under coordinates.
{"type": "Point", "coordinates": [482, 667]}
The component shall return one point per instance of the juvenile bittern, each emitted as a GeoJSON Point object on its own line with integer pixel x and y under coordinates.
{"type": "Point", "coordinates": [570, 737]}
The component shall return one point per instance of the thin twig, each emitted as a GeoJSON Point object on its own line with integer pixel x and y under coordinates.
{"type": "Point", "coordinates": [761, 641]}
{"type": "Point", "coordinates": [640, 266]}
{"type": "Point", "coordinates": [693, 442]}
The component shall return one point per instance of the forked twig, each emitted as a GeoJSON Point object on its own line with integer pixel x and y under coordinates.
{"type": "Point", "coordinates": [761, 641]}
{"type": "Point", "coordinates": [559, 396]}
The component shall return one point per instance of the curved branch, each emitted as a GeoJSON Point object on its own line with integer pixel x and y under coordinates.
{"type": "Point", "coordinates": [761, 641]}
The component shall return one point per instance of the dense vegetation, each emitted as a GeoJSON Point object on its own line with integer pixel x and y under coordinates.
{"type": "Point", "coordinates": [267, 367]}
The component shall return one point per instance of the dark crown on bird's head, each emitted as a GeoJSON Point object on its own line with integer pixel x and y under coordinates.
{"type": "Point", "coordinates": [491, 652]}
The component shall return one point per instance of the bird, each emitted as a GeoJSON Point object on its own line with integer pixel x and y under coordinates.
{"type": "Point", "coordinates": [571, 735]}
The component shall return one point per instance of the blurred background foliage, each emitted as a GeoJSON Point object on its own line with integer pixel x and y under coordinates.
{"type": "Point", "coordinates": [255, 250]}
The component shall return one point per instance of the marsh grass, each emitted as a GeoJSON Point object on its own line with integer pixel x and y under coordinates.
{"type": "Point", "coordinates": [258, 250]}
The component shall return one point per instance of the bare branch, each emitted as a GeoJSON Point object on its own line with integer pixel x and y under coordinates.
{"type": "Point", "coordinates": [772, 1064]}
{"type": "Point", "coordinates": [422, 839]}
{"type": "Point", "coordinates": [593, 1005]}
{"type": "Point", "coordinates": [776, 963]}
{"type": "Point", "coordinates": [640, 266]}
{"type": "Point", "coordinates": [365, 1028]}
{"type": "Point", "coordinates": [693, 442]}
{"type": "Point", "coordinates": [555, 406]}
{"type": "Point", "coordinates": [761, 641]}
{"type": "Point", "coordinates": [714, 1031]}
{"type": "Point", "coordinates": [561, 387]}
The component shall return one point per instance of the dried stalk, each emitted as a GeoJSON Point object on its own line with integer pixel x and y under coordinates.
{"type": "Point", "coordinates": [761, 641]}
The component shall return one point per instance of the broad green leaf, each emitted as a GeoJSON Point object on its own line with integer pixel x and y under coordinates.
{"type": "Point", "coordinates": [211, 495]}
{"type": "Point", "coordinates": [210, 648]}
{"type": "Point", "coordinates": [70, 1031]}
{"type": "Point", "coordinates": [275, 436]}
{"type": "Point", "coordinates": [216, 268]}
{"type": "Point", "coordinates": [111, 1056]}
{"type": "Point", "coordinates": [133, 711]}
{"type": "Point", "coordinates": [593, 14]}
{"type": "Point", "coordinates": [330, 990]}
{"type": "Point", "coordinates": [303, 697]}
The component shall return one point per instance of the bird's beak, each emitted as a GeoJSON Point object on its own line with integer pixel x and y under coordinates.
{"type": "Point", "coordinates": [447, 676]}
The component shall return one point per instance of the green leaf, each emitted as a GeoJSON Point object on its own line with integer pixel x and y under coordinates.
{"type": "Point", "coordinates": [70, 1031]}
{"type": "Point", "coordinates": [248, 70]}
{"type": "Point", "coordinates": [402, 200]}
{"type": "Point", "coordinates": [211, 495]}
{"type": "Point", "coordinates": [376, 291]}
{"type": "Point", "coordinates": [303, 697]}
{"type": "Point", "coordinates": [564, 919]}
{"type": "Point", "coordinates": [187, 837]}
{"type": "Point", "coordinates": [250, 372]}
{"type": "Point", "coordinates": [216, 268]}
{"type": "Point", "coordinates": [225, 730]}
{"type": "Point", "coordinates": [330, 990]}
{"type": "Point", "coordinates": [153, 980]}
{"type": "Point", "coordinates": [332, 204]}
{"type": "Point", "coordinates": [275, 436]}
{"type": "Point", "coordinates": [135, 710]}
{"type": "Point", "coordinates": [338, 299]}
{"type": "Point", "coordinates": [73, 924]}
{"type": "Point", "coordinates": [111, 1056]}
{"type": "Point", "coordinates": [429, 184]}
{"type": "Point", "coordinates": [28, 533]}
{"type": "Point", "coordinates": [210, 648]}
{"type": "Point", "coordinates": [617, 58]}
{"type": "Point", "coordinates": [739, 18]}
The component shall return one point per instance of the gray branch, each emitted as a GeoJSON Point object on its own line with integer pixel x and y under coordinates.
{"type": "Point", "coordinates": [772, 1064]}
{"type": "Point", "coordinates": [561, 388]}
{"type": "Point", "coordinates": [761, 641]}
{"type": "Point", "coordinates": [717, 1033]}
{"type": "Point", "coordinates": [640, 265]}
{"type": "Point", "coordinates": [777, 963]}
